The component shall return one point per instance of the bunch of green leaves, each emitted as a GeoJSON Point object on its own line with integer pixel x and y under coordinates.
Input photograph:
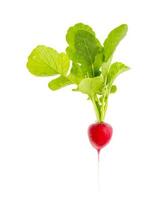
{"type": "Point", "coordinates": [86, 63]}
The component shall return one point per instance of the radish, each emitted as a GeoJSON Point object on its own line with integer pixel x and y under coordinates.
{"type": "Point", "coordinates": [87, 64]}
{"type": "Point", "coordinates": [99, 135]}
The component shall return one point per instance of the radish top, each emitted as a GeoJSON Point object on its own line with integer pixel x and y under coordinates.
{"type": "Point", "coordinates": [86, 63]}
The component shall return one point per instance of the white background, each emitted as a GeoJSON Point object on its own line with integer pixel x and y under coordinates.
{"type": "Point", "coordinates": [44, 149]}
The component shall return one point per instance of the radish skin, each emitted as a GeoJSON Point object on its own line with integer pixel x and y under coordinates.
{"type": "Point", "coordinates": [99, 135]}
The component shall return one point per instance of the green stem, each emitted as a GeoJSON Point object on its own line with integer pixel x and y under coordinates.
{"type": "Point", "coordinates": [104, 109]}
{"type": "Point", "coordinates": [101, 105]}
{"type": "Point", "coordinates": [104, 103]}
{"type": "Point", "coordinates": [97, 109]}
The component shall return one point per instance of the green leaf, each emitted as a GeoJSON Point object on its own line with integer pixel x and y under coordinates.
{"type": "Point", "coordinates": [41, 61]}
{"type": "Point", "coordinates": [104, 69]}
{"type": "Point", "coordinates": [99, 59]}
{"type": "Point", "coordinates": [113, 89]}
{"type": "Point", "coordinates": [45, 61]}
{"type": "Point", "coordinates": [62, 64]}
{"type": "Point", "coordinates": [86, 47]}
{"type": "Point", "coordinates": [70, 38]}
{"type": "Point", "coordinates": [77, 73]}
{"type": "Point", "coordinates": [83, 46]}
{"type": "Point", "coordinates": [113, 39]}
{"type": "Point", "coordinates": [58, 83]}
{"type": "Point", "coordinates": [73, 30]}
{"type": "Point", "coordinates": [91, 86]}
{"type": "Point", "coordinates": [116, 69]}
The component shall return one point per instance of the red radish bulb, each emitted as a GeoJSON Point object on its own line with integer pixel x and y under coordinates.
{"type": "Point", "coordinates": [99, 135]}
